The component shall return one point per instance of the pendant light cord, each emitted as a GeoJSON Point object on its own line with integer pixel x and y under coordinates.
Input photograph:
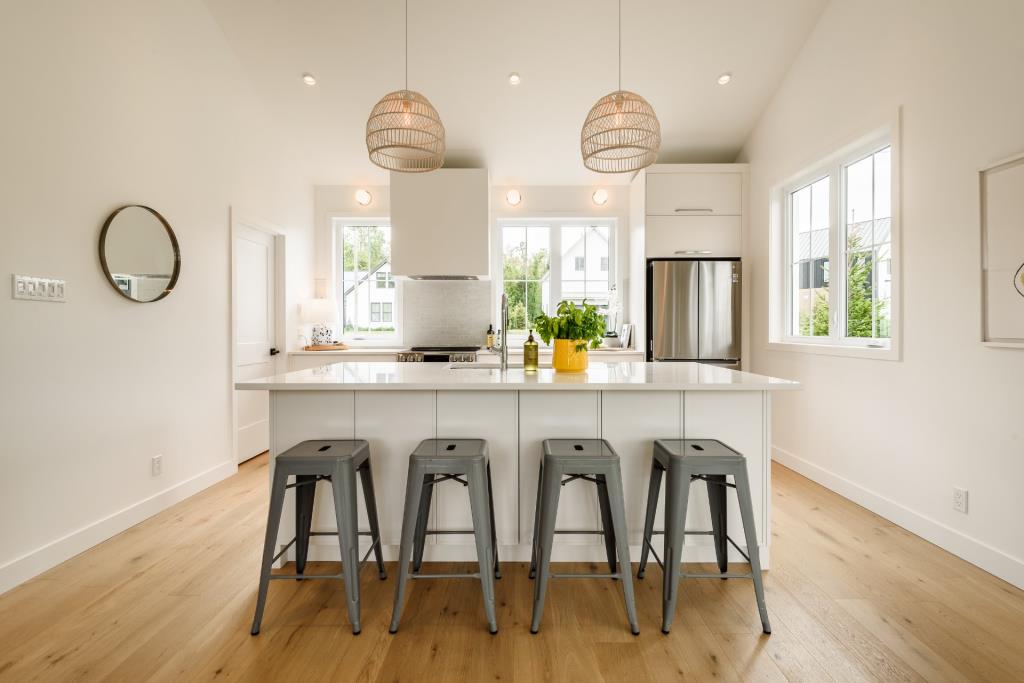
{"type": "Point", "coordinates": [620, 44]}
{"type": "Point", "coordinates": [407, 45]}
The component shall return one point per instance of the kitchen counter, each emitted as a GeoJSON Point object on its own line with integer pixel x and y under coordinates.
{"type": "Point", "coordinates": [396, 405]}
{"type": "Point", "coordinates": [449, 376]}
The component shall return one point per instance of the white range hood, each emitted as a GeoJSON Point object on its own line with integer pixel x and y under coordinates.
{"type": "Point", "coordinates": [440, 224]}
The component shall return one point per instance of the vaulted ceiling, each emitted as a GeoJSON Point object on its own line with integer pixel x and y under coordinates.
{"type": "Point", "coordinates": [462, 51]}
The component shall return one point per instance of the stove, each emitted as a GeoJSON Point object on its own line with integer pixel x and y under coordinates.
{"type": "Point", "coordinates": [439, 354]}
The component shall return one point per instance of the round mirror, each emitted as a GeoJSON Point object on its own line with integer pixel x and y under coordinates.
{"type": "Point", "coordinates": [139, 253]}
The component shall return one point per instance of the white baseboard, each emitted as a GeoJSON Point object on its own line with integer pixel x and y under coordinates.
{"type": "Point", "coordinates": [990, 559]}
{"type": "Point", "coordinates": [37, 561]}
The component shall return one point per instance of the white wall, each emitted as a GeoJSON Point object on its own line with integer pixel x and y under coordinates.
{"type": "Point", "coordinates": [896, 436]}
{"type": "Point", "coordinates": [107, 103]}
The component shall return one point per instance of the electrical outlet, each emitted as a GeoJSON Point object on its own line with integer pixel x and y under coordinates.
{"type": "Point", "coordinates": [960, 499]}
{"type": "Point", "coordinates": [157, 465]}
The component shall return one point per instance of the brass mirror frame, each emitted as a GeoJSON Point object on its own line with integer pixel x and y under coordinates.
{"type": "Point", "coordinates": [174, 245]}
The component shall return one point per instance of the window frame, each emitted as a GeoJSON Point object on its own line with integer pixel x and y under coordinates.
{"type": "Point", "coordinates": [556, 223]}
{"type": "Point", "coordinates": [834, 166]}
{"type": "Point", "coordinates": [338, 223]}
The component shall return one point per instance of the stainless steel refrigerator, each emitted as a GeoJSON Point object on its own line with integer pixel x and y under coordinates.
{"type": "Point", "coordinates": [693, 310]}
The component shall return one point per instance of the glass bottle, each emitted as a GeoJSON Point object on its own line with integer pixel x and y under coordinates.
{"type": "Point", "coordinates": [490, 336]}
{"type": "Point", "coordinates": [531, 354]}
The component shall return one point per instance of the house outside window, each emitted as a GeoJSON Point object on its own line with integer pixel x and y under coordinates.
{"type": "Point", "coordinates": [365, 289]}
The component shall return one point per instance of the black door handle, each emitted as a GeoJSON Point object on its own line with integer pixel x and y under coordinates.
{"type": "Point", "coordinates": [274, 352]}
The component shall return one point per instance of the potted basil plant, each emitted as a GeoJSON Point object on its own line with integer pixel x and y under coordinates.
{"type": "Point", "coordinates": [574, 329]}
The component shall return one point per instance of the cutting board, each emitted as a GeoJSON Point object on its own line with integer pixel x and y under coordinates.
{"type": "Point", "coordinates": [326, 347]}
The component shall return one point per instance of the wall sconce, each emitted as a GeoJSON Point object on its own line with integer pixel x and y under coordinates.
{"type": "Point", "coordinates": [513, 197]}
{"type": "Point", "coordinates": [600, 197]}
{"type": "Point", "coordinates": [363, 197]}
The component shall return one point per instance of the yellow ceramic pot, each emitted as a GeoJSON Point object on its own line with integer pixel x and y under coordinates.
{"type": "Point", "coordinates": [566, 358]}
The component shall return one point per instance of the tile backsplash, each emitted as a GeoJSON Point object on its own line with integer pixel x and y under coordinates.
{"type": "Point", "coordinates": [445, 312]}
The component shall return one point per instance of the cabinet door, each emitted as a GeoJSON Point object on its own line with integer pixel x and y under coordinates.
{"type": "Point", "coordinates": [486, 415]}
{"type": "Point", "coordinates": [694, 194]}
{"type": "Point", "coordinates": [558, 415]}
{"type": "Point", "coordinates": [696, 236]}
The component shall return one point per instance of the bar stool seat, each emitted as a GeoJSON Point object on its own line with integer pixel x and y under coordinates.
{"type": "Point", "coordinates": [595, 461]}
{"type": "Point", "coordinates": [709, 460]}
{"type": "Point", "coordinates": [432, 462]}
{"type": "Point", "coordinates": [337, 461]}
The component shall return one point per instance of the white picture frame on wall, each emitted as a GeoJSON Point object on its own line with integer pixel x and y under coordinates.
{"type": "Point", "coordinates": [1001, 187]}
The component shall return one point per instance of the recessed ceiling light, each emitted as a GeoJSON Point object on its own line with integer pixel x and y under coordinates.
{"type": "Point", "coordinates": [309, 79]}
{"type": "Point", "coordinates": [600, 197]}
{"type": "Point", "coordinates": [513, 78]}
{"type": "Point", "coordinates": [725, 79]}
{"type": "Point", "coordinates": [363, 197]}
{"type": "Point", "coordinates": [513, 197]}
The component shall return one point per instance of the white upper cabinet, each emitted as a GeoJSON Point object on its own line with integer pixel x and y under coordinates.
{"type": "Point", "coordinates": [692, 236]}
{"type": "Point", "coordinates": [440, 223]}
{"type": "Point", "coordinates": [694, 194]}
{"type": "Point", "coordinates": [693, 210]}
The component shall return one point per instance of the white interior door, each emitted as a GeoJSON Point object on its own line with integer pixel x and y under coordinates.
{"type": "Point", "coordinates": [255, 294]}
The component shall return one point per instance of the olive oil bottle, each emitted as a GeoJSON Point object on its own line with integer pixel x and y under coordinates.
{"type": "Point", "coordinates": [531, 354]}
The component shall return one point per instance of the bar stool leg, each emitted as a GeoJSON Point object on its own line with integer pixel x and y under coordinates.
{"type": "Point", "coordinates": [478, 502]}
{"type": "Point", "coordinates": [719, 519]}
{"type": "Point", "coordinates": [419, 541]}
{"type": "Point", "coordinates": [370, 500]}
{"type": "Point", "coordinates": [277, 491]}
{"type": "Point", "coordinates": [618, 514]}
{"type": "Point", "coordinates": [677, 498]}
{"type": "Point", "coordinates": [305, 493]}
{"type": "Point", "coordinates": [607, 525]}
{"type": "Point", "coordinates": [653, 491]}
{"type": "Point", "coordinates": [346, 513]}
{"type": "Point", "coordinates": [544, 539]}
{"type": "Point", "coordinates": [494, 527]}
{"type": "Point", "coordinates": [536, 519]}
{"type": "Point", "coordinates": [413, 493]}
{"type": "Point", "coordinates": [750, 532]}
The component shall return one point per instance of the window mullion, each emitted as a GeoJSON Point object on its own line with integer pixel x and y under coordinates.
{"type": "Point", "coordinates": [837, 256]}
{"type": "Point", "coordinates": [555, 265]}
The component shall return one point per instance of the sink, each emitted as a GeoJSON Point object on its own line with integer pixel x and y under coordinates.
{"type": "Point", "coordinates": [491, 365]}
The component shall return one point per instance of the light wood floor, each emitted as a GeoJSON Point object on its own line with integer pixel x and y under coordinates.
{"type": "Point", "coordinates": [851, 597]}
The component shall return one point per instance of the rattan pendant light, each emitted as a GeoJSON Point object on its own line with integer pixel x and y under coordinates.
{"type": "Point", "coordinates": [621, 133]}
{"type": "Point", "coordinates": [404, 132]}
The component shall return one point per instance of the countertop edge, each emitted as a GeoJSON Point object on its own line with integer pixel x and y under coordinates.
{"type": "Point", "coordinates": [270, 386]}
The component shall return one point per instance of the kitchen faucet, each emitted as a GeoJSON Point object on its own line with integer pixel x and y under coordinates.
{"type": "Point", "coordinates": [503, 332]}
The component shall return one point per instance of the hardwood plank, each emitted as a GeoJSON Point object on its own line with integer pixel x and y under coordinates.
{"type": "Point", "coordinates": [851, 596]}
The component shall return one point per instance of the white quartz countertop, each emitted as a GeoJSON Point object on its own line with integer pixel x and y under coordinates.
{"type": "Point", "coordinates": [371, 351]}
{"type": "Point", "coordinates": [366, 376]}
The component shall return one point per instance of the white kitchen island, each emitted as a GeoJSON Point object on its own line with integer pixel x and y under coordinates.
{"type": "Point", "coordinates": [396, 405]}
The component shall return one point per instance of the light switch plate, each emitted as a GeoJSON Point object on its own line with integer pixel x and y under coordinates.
{"type": "Point", "coordinates": [30, 288]}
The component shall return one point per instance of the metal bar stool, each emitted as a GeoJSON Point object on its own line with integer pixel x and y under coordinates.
{"type": "Point", "coordinates": [435, 461]}
{"type": "Point", "coordinates": [337, 461]}
{"type": "Point", "coordinates": [592, 460]}
{"type": "Point", "coordinates": [710, 461]}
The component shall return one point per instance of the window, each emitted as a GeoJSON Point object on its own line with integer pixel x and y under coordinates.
{"type": "Point", "coordinates": [545, 261]}
{"type": "Point", "coordinates": [837, 221]}
{"type": "Point", "coordinates": [365, 289]}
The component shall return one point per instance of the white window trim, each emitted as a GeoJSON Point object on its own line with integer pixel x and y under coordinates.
{"type": "Point", "coordinates": [556, 222]}
{"type": "Point", "coordinates": [780, 249]}
{"type": "Point", "coordinates": [393, 340]}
